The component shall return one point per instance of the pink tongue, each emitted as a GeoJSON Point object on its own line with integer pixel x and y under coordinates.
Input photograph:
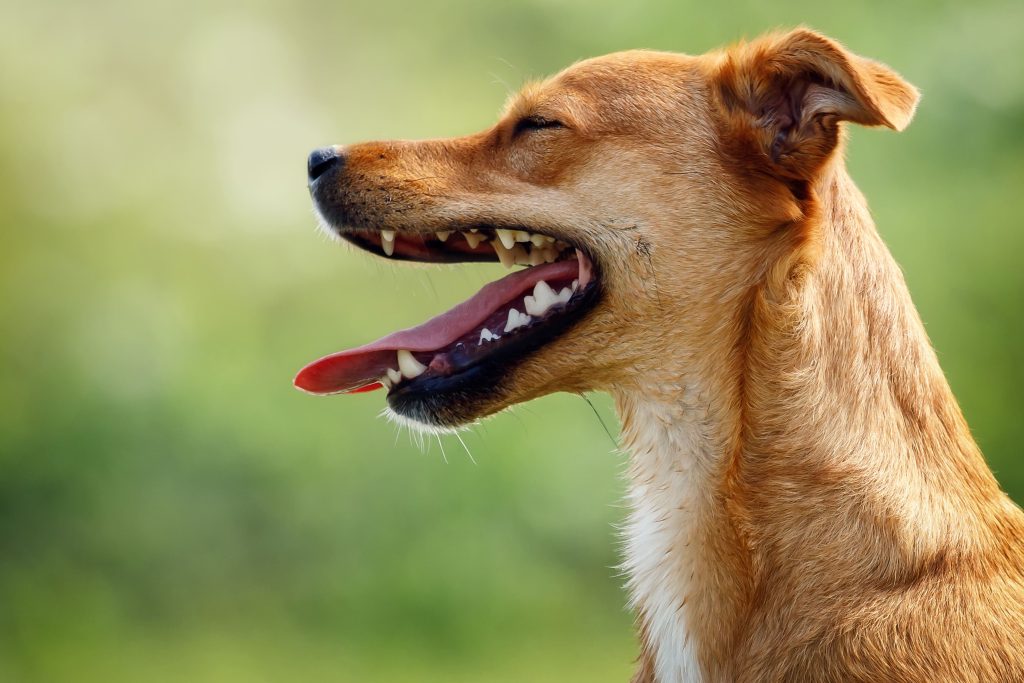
{"type": "Point", "coordinates": [359, 369]}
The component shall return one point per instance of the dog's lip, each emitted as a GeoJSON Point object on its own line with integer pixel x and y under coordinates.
{"type": "Point", "coordinates": [361, 368]}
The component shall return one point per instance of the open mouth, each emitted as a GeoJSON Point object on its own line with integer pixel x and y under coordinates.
{"type": "Point", "coordinates": [480, 338]}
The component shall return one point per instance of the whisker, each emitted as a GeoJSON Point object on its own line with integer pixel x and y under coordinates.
{"type": "Point", "coordinates": [444, 456]}
{"type": "Point", "coordinates": [459, 437]}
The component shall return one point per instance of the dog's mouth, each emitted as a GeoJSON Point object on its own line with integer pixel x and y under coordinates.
{"type": "Point", "coordinates": [481, 338]}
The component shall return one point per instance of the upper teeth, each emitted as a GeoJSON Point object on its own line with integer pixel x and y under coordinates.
{"type": "Point", "coordinates": [473, 239]}
{"type": "Point", "coordinates": [506, 237]}
{"type": "Point", "coordinates": [387, 241]}
{"type": "Point", "coordinates": [513, 247]}
{"type": "Point", "coordinates": [505, 254]}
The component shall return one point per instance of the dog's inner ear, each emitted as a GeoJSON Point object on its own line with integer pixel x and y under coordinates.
{"type": "Point", "coordinates": [784, 97]}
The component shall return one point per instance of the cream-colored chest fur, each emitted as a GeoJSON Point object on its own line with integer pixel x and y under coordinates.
{"type": "Point", "coordinates": [670, 459]}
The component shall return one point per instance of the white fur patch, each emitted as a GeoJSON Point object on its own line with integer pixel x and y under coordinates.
{"type": "Point", "coordinates": [669, 456]}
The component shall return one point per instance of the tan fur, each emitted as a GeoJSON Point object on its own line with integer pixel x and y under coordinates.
{"type": "Point", "coordinates": [827, 515]}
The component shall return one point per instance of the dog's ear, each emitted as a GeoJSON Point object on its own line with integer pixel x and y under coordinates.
{"type": "Point", "coordinates": [784, 96]}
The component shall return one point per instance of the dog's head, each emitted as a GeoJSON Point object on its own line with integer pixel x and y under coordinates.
{"type": "Point", "coordinates": [644, 192]}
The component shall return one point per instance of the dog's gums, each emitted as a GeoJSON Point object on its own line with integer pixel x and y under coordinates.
{"type": "Point", "coordinates": [504, 321]}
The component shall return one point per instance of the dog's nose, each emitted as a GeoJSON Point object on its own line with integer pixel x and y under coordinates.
{"type": "Point", "coordinates": [322, 160]}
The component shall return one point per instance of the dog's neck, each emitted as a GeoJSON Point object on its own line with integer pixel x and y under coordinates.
{"type": "Point", "coordinates": [822, 456]}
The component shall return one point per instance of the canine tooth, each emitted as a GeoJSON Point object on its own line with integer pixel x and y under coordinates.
{"type": "Point", "coordinates": [387, 241]}
{"type": "Point", "coordinates": [506, 237]}
{"type": "Point", "coordinates": [538, 240]}
{"type": "Point", "coordinates": [487, 335]}
{"type": "Point", "coordinates": [473, 239]}
{"type": "Point", "coordinates": [521, 236]}
{"type": "Point", "coordinates": [443, 235]}
{"type": "Point", "coordinates": [394, 375]}
{"type": "Point", "coordinates": [409, 366]}
{"type": "Point", "coordinates": [519, 256]}
{"type": "Point", "coordinates": [505, 256]}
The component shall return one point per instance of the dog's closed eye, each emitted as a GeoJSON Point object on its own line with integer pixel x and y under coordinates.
{"type": "Point", "coordinates": [533, 123]}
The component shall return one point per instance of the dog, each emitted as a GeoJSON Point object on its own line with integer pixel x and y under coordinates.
{"type": "Point", "coordinates": [807, 502]}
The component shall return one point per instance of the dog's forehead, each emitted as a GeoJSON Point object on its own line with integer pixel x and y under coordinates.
{"type": "Point", "coordinates": [626, 83]}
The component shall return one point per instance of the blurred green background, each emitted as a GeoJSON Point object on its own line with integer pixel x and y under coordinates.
{"type": "Point", "coordinates": [172, 510]}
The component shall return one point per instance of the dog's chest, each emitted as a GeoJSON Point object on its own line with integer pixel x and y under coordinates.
{"type": "Point", "coordinates": [669, 465]}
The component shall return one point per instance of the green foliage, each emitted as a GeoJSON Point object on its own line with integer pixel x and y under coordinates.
{"type": "Point", "coordinates": [172, 510]}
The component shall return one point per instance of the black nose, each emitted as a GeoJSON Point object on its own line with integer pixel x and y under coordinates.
{"type": "Point", "coordinates": [322, 160]}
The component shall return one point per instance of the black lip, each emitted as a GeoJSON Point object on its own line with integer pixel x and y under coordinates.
{"type": "Point", "coordinates": [449, 399]}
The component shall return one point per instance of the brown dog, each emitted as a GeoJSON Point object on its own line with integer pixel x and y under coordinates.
{"type": "Point", "coordinates": [807, 501]}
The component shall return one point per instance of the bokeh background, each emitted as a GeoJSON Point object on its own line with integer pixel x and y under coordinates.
{"type": "Point", "coordinates": [172, 510]}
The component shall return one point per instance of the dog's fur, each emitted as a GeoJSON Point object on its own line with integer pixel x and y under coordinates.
{"type": "Point", "coordinates": [808, 503]}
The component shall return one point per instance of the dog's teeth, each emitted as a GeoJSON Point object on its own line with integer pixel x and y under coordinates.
{"type": "Point", "coordinates": [565, 295]}
{"type": "Point", "coordinates": [473, 239]}
{"type": "Point", "coordinates": [538, 240]}
{"type": "Point", "coordinates": [543, 298]}
{"type": "Point", "coordinates": [387, 241]}
{"type": "Point", "coordinates": [409, 366]}
{"type": "Point", "coordinates": [507, 237]}
{"type": "Point", "coordinates": [542, 291]}
{"type": "Point", "coordinates": [486, 335]}
{"type": "Point", "coordinates": [516, 320]}
{"type": "Point", "coordinates": [474, 229]}
{"type": "Point", "coordinates": [519, 256]}
{"type": "Point", "coordinates": [507, 257]}
{"type": "Point", "coordinates": [385, 382]}
{"type": "Point", "coordinates": [549, 239]}
{"type": "Point", "coordinates": [536, 256]}
{"type": "Point", "coordinates": [394, 375]}
{"type": "Point", "coordinates": [575, 285]}
{"type": "Point", "coordinates": [443, 235]}
{"type": "Point", "coordinates": [521, 236]}
{"type": "Point", "coordinates": [550, 254]}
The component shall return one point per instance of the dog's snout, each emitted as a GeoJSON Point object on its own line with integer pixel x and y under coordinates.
{"type": "Point", "coordinates": [322, 160]}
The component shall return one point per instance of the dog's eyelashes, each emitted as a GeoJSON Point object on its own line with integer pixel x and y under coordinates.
{"type": "Point", "coordinates": [530, 123]}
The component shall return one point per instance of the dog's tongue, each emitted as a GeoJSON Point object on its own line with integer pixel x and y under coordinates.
{"type": "Point", "coordinates": [360, 369]}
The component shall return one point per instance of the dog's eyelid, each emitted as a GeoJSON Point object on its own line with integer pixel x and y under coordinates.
{"type": "Point", "coordinates": [535, 122]}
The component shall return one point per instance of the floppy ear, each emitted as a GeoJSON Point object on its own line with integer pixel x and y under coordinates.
{"type": "Point", "coordinates": [784, 96]}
